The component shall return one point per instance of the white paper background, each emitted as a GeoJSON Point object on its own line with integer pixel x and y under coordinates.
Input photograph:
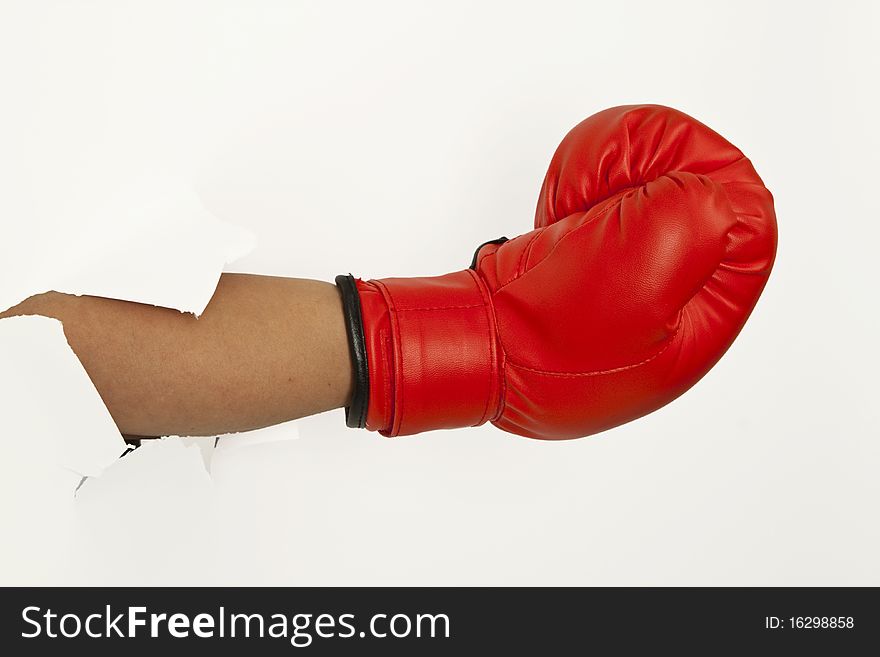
{"type": "Point", "coordinates": [391, 139]}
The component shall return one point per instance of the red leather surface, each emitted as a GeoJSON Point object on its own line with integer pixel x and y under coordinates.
{"type": "Point", "coordinates": [431, 353]}
{"type": "Point", "coordinates": [654, 239]}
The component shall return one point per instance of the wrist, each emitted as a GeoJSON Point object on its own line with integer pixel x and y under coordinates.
{"type": "Point", "coordinates": [425, 353]}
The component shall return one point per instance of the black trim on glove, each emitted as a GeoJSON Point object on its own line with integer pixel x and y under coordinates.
{"type": "Point", "coordinates": [356, 412]}
{"type": "Point", "coordinates": [500, 240]}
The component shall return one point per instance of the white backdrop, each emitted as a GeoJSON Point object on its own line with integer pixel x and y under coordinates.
{"type": "Point", "coordinates": [391, 139]}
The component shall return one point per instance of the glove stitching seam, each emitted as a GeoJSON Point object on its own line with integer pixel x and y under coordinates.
{"type": "Point", "coordinates": [482, 258]}
{"type": "Point", "coordinates": [528, 252]}
{"type": "Point", "coordinates": [519, 267]}
{"type": "Point", "coordinates": [589, 222]}
{"type": "Point", "coordinates": [486, 305]}
{"type": "Point", "coordinates": [502, 365]}
{"type": "Point", "coordinates": [613, 370]}
{"type": "Point", "coordinates": [475, 305]}
{"type": "Point", "coordinates": [394, 405]}
{"type": "Point", "coordinates": [385, 344]}
{"type": "Point", "coordinates": [501, 359]}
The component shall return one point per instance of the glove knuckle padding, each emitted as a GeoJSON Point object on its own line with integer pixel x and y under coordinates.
{"type": "Point", "coordinates": [654, 238]}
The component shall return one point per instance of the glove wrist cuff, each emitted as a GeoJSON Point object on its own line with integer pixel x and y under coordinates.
{"type": "Point", "coordinates": [431, 353]}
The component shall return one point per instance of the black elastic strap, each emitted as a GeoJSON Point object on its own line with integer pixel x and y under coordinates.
{"type": "Point", "coordinates": [356, 412]}
{"type": "Point", "coordinates": [500, 240]}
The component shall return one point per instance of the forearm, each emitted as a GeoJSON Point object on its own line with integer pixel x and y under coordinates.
{"type": "Point", "coordinates": [266, 350]}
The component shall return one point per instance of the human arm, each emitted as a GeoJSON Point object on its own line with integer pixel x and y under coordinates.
{"type": "Point", "coordinates": [266, 350]}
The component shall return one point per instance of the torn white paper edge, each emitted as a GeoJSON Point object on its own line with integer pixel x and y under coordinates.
{"type": "Point", "coordinates": [226, 444]}
{"type": "Point", "coordinates": [278, 433]}
{"type": "Point", "coordinates": [56, 430]}
{"type": "Point", "coordinates": [148, 239]}
{"type": "Point", "coordinates": [46, 392]}
{"type": "Point", "coordinates": [161, 502]}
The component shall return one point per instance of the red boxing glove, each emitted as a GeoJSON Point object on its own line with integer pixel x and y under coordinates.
{"type": "Point", "coordinates": [653, 239]}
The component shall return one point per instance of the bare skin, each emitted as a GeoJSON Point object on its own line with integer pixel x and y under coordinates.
{"type": "Point", "coordinates": [266, 350]}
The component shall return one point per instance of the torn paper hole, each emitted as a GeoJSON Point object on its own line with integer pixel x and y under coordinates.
{"type": "Point", "coordinates": [56, 430]}
{"type": "Point", "coordinates": [49, 400]}
{"type": "Point", "coordinates": [146, 239]}
{"type": "Point", "coordinates": [143, 237]}
{"type": "Point", "coordinates": [60, 440]}
{"type": "Point", "coordinates": [149, 519]}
